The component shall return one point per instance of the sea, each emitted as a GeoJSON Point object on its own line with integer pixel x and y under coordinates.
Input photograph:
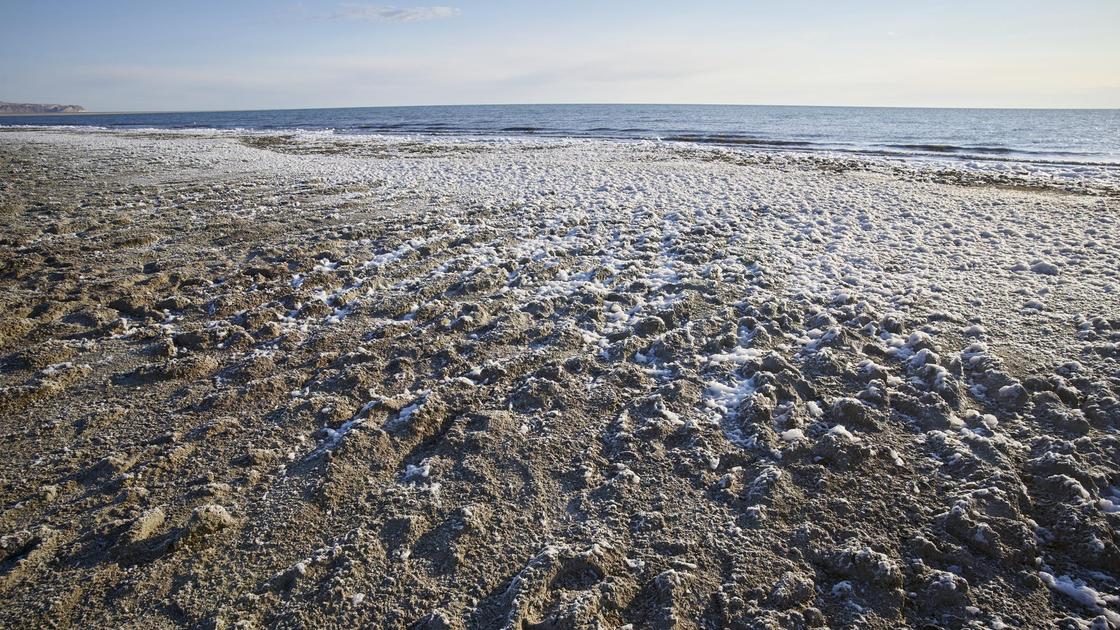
{"type": "Point", "coordinates": [1056, 136]}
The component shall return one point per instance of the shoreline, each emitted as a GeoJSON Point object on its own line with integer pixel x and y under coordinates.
{"type": "Point", "coordinates": [1065, 176]}
{"type": "Point", "coordinates": [308, 379]}
{"type": "Point", "coordinates": [1003, 139]}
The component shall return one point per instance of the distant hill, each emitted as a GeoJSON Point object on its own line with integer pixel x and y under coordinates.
{"type": "Point", "coordinates": [39, 108]}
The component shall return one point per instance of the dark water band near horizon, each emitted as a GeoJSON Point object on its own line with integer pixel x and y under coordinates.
{"type": "Point", "coordinates": [1061, 136]}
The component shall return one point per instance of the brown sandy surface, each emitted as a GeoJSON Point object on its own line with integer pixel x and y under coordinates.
{"type": "Point", "coordinates": [282, 381]}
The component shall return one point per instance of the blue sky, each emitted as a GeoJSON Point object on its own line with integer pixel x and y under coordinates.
{"type": "Point", "coordinates": [244, 54]}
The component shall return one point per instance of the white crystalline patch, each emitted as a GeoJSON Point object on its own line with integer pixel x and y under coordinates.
{"type": "Point", "coordinates": [1110, 503]}
{"type": "Point", "coordinates": [843, 431]}
{"type": "Point", "coordinates": [339, 314]}
{"type": "Point", "coordinates": [821, 338]}
{"type": "Point", "coordinates": [407, 412]}
{"type": "Point", "coordinates": [326, 265]}
{"type": "Point", "coordinates": [334, 437]}
{"type": "Point", "coordinates": [1007, 391]}
{"type": "Point", "coordinates": [624, 474]}
{"type": "Point", "coordinates": [793, 435]}
{"type": "Point", "coordinates": [385, 258]}
{"type": "Point", "coordinates": [727, 398]}
{"type": "Point", "coordinates": [868, 366]}
{"type": "Point", "coordinates": [919, 338]}
{"type": "Point", "coordinates": [1083, 594]}
{"type": "Point", "coordinates": [900, 352]}
{"type": "Point", "coordinates": [1044, 267]}
{"type": "Point", "coordinates": [723, 402]}
{"type": "Point", "coordinates": [672, 417]}
{"type": "Point", "coordinates": [895, 457]}
{"type": "Point", "coordinates": [944, 581]}
{"type": "Point", "coordinates": [51, 370]}
{"type": "Point", "coordinates": [737, 355]}
{"type": "Point", "coordinates": [939, 376]}
{"type": "Point", "coordinates": [422, 471]}
{"type": "Point", "coordinates": [615, 313]}
{"type": "Point", "coordinates": [975, 354]}
{"type": "Point", "coordinates": [1074, 486]}
{"type": "Point", "coordinates": [922, 357]}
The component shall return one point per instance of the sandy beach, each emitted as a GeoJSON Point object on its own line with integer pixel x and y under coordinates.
{"type": "Point", "coordinates": [299, 380]}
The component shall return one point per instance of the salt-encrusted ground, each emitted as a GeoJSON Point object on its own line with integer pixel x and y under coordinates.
{"type": "Point", "coordinates": [304, 380]}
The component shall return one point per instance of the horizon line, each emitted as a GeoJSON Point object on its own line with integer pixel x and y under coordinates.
{"type": "Point", "coordinates": [587, 104]}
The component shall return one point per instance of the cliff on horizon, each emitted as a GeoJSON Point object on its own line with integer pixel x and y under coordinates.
{"type": "Point", "coordinates": [39, 108]}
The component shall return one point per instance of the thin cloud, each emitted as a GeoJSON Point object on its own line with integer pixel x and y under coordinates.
{"type": "Point", "coordinates": [373, 13]}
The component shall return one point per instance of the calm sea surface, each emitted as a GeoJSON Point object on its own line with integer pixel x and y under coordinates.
{"type": "Point", "coordinates": [1062, 136]}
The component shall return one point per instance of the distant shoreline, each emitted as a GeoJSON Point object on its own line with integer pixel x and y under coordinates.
{"type": "Point", "coordinates": [35, 114]}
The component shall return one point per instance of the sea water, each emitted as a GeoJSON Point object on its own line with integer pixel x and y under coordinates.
{"type": "Point", "coordinates": [1072, 136]}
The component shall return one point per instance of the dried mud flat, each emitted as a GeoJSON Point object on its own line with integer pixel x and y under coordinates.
{"type": "Point", "coordinates": [292, 381]}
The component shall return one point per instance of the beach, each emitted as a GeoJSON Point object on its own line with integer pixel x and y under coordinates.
{"type": "Point", "coordinates": [294, 379]}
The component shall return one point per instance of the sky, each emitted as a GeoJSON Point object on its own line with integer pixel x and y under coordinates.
{"type": "Point", "coordinates": [160, 55]}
